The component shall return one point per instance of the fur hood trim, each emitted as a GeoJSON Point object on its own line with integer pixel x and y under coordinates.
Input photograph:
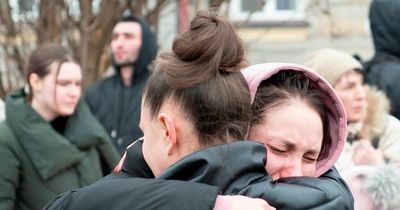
{"type": "Point", "coordinates": [378, 109]}
{"type": "Point", "coordinates": [383, 184]}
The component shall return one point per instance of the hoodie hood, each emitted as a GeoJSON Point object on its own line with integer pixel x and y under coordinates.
{"type": "Point", "coordinates": [385, 26]}
{"type": "Point", "coordinates": [332, 64]}
{"type": "Point", "coordinates": [147, 53]}
{"type": "Point", "coordinates": [255, 74]}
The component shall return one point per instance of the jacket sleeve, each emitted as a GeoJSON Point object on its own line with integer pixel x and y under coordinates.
{"type": "Point", "coordinates": [329, 191]}
{"type": "Point", "coordinates": [137, 194]}
{"type": "Point", "coordinates": [9, 176]}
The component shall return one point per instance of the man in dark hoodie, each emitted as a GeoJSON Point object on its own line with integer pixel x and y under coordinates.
{"type": "Point", "coordinates": [115, 100]}
{"type": "Point", "coordinates": [383, 70]}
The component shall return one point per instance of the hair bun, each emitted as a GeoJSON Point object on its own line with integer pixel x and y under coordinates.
{"type": "Point", "coordinates": [209, 47]}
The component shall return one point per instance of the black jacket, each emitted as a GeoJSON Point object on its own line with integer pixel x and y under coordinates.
{"type": "Point", "coordinates": [231, 169]}
{"type": "Point", "coordinates": [118, 107]}
{"type": "Point", "coordinates": [383, 70]}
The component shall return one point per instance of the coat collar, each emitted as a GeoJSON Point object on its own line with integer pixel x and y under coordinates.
{"type": "Point", "coordinates": [49, 151]}
{"type": "Point", "coordinates": [220, 165]}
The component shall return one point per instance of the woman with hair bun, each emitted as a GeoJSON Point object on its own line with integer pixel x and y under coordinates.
{"type": "Point", "coordinates": [196, 109]}
{"type": "Point", "coordinates": [194, 103]}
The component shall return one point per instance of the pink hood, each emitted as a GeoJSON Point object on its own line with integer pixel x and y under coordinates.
{"type": "Point", "coordinates": [255, 74]}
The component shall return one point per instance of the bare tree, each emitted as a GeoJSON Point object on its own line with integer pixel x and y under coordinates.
{"type": "Point", "coordinates": [83, 25]}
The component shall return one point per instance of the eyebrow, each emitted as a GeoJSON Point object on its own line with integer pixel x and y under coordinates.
{"type": "Point", "coordinates": [123, 32]}
{"type": "Point", "coordinates": [68, 80]}
{"type": "Point", "coordinates": [289, 145]}
{"type": "Point", "coordinates": [350, 82]}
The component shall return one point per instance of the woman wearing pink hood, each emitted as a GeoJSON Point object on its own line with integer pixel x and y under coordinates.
{"type": "Point", "coordinates": [298, 86]}
{"type": "Point", "coordinates": [303, 128]}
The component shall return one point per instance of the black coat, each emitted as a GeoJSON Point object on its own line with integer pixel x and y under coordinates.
{"type": "Point", "coordinates": [383, 70]}
{"type": "Point", "coordinates": [116, 106]}
{"type": "Point", "coordinates": [231, 169]}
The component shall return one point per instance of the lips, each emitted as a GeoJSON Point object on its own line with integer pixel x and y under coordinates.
{"type": "Point", "coordinates": [359, 108]}
{"type": "Point", "coordinates": [71, 104]}
{"type": "Point", "coordinates": [119, 54]}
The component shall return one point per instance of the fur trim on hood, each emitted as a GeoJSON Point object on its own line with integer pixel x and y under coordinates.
{"type": "Point", "coordinates": [255, 74]}
{"type": "Point", "coordinates": [374, 188]}
{"type": "Point", "coordinates": [383, 184]}
{"type": "Point", "coordinates": [378, 109]}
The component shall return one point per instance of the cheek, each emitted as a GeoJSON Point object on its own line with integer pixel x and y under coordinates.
{"type": "Point", "coordinates": [347, 100]}
{"type": "Point", "coordinates": [135, 46]}
{"type": "Point", "coordinates": [150, 146]}
{"type": "Point", "coordinates": [274, 163]}
{"type": "Point", "coordinates": [346, 103]}
{"type": "Point", "coordinates": [309, 169]}
{"type": "Point", "coordinates": [60, 93]}
{"type": "Point", "coordinates": [77, 92]}
{"type": "Point", "coordinates": [113, 46]}
{"type": "Point", "coordinates": [147, 151]}
{"type": "Point", "coordinates": [49, 96]}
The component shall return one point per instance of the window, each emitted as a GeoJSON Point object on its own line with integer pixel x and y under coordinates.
{"type": "Point", "coordinates": [267, 10]}
{"type": "Point", "coordinates": [285, 5]}
{"type": "Point", "coordinates": [251, 6]}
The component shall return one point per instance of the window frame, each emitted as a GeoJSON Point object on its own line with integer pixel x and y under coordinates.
{"type": "Point", "coordinates": [269, 13]}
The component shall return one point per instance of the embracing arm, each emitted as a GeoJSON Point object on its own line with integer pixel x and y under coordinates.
{"type": "Point", "coordinates": [328, 191]}
{"type": "Point", "coordinates": [133, 163]}
{"type": "Point", "coordinates": [119, 191]}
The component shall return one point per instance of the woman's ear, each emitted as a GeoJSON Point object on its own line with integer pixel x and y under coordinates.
{"type": "Point", "coordinates": [35, 82]}
{"type": "Point", "coordinates": [169, 132]}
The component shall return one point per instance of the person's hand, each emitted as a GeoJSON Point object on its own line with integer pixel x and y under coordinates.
{"type": "Point", "coordinates": [239, 202]}
{"type": "Point", "coordinates": [118, 168]}
{"type": "Point", "coordinates": [366, 154]}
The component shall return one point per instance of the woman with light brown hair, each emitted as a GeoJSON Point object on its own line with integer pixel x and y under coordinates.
{"type": "Point", "coordinates": [50, 142]}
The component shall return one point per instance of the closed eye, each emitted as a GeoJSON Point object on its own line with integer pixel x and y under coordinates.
{"type": "Point", "coordinates": [310, 159]}
{"type": "Point", "coordinates": [276, 149]}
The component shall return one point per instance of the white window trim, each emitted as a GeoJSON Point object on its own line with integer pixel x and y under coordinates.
{"type": "Point", "coordinates": [269, 12]}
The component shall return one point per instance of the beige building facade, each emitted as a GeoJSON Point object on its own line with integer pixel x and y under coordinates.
{"type": "Point", "coordinates": [284, 30]}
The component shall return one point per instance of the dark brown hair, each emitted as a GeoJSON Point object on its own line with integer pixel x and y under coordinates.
{"type": "Point", "coordinates": [202, 76]}
{"type": "Point", "coordinates": [42, 58]}
{"type": "Point", "coordinates": [280, 88]}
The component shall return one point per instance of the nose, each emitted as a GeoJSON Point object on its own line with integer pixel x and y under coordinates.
{"type": "Point", "coordinates": [75, 91]}
{"type": "Point", "coordinates": [118, 42]}
{"type": "Point", "coordinates": [292, 168]}
{"type": "Point", "coordinates": [360, 92]}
